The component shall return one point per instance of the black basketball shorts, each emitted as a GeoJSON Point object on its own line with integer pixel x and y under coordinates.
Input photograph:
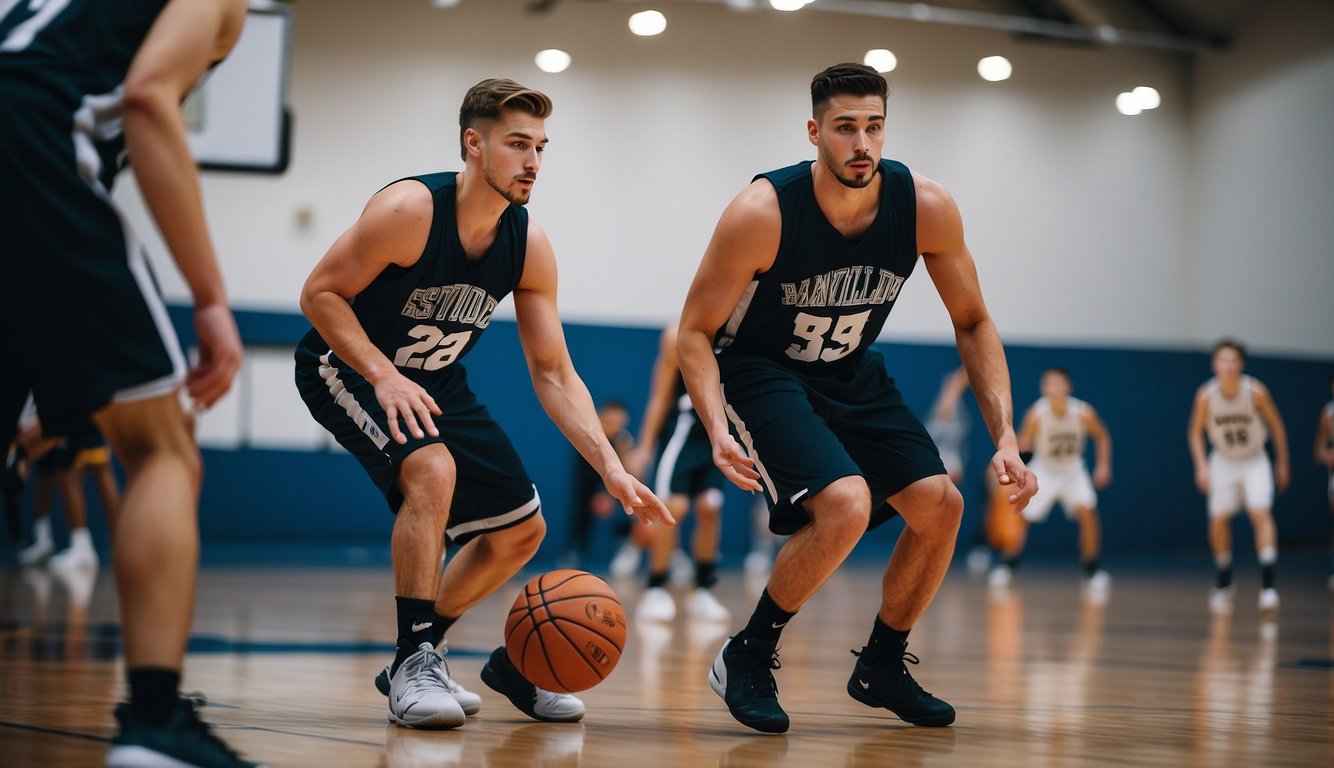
{"type": "Point", "coordinates": [806, 431]}
{"type": "Point", "coordinates": [685, 460]}
{"type": "Point", "coordinates": [492, 490]}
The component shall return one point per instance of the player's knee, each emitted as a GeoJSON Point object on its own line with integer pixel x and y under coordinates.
{"type": "Point", "coordinates": [932, 506]}
{"type": "Point", "coordinates": [844, 505]}
{"type": "Point", "coordinates": [428, 474]}
{"type": "Point", "coordinates": [521, 541]}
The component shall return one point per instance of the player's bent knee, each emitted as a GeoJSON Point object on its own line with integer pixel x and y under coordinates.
{"type": "Point", "coordinates": [521, 540]}
{"type": "Point", "coordinates": [844, 505]}
{"type": "Point", "coordinates": [428, 473]}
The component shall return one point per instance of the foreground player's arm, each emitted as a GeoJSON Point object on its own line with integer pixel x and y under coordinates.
{"type": "Point", "coordinates": [559, 388]}
{"type": "Point", "coordinates": [1269, 412]}
{"type": "Point", "coordinates": [1324, 454]}
{"type": "Point", "coordinates": [393, 229]}
{"type": "Point", "coordinates": [941, 243]}
{"type": "Point", "coordinates": [744, 244]}
{"type": "Point", "coordinates": [187, 36]}
{"type": "Point", "coordinates": [659, 402]}
{"type": "Point", "coordinates": [1102, 448]}
{"type": "Point", "coordinates": [1199, 419]}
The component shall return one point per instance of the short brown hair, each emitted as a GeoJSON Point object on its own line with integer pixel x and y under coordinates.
{"type": "Point", "coordinates": [484, 101]}
{"type": "Point", "coordinates": [1232, 344]}
{"type": "Point", "coordinates": [852, 79]}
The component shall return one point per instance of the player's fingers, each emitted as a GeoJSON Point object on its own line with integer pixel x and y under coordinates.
{"type": "Point", "coordinates": [423, 412]}
{"type": "Point", "coordinates": [431, 405]}
{"type": "Point", "coordinates": [391, 415]}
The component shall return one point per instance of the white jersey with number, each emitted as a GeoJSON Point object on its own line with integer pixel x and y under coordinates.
{"type": "Point", "coordinates": [1060, 438]}
{"type": "Point", "coordinates": [1234, 425]}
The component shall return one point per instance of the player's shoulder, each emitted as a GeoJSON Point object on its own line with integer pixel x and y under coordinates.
{"type": "Point", "coordinates": [1258, 388]}
{"type": "Point", "coordinates": [755, 206]}
{"type": "Point", "coordinates": [403, 200]}
{"type": "Point", "coordinates": [932, 196]}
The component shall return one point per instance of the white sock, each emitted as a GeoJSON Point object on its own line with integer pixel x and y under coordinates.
{"type": "Point", "coordinates": [1267, 555]}
{"type": "Point", "coordinates": [81, 538]}
{"type": "Point", "coordinates": [1223, 560]}
{"type": "Point", "coordinates": [41, 530]}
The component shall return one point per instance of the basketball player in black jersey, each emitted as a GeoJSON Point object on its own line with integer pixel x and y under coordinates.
{"type": "Point", "coordinates": [396, 303]}
{"type": "Point", "coordinates": [82, 82]}
{"type": "Point", "coordinates": [796, 284]}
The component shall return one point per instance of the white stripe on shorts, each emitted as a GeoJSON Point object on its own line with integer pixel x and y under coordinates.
{"type": "Point", "coordinates": [496, 521]}
{"type": "Point", "coordinates": [749, 443]}
{"type": "Point", "coordinates": [662, 480]}
{"type": "Point", "coordinates": [338, 391]}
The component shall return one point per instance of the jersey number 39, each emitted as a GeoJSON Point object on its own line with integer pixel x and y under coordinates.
{"type": "Point", "coordinates": [434, 351]}
{"type": "Point", "coordinates": [846, 336]}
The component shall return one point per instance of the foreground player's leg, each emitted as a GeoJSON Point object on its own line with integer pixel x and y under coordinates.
{"type": "Point", "coordinates": [743, 671]}
{"type": "Point", "coordinates": [932, 509]}
{"type": "Point", "coordinates": [156, 556]}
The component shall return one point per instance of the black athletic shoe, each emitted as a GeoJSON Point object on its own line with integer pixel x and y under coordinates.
{"type": "Point", "coordinates": [889, 685]}
{"type": "Point", "coordinates": [746, 683]}
{"type": "Point", "coordinates": [500, 676]}
{"type": "Point", "coordinates": [184, 740]}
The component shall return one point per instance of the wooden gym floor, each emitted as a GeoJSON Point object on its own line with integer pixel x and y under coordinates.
{"type": "Point", "coordinates": [1040, 675]}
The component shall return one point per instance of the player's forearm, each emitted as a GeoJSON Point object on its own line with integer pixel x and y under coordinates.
{"type": "Point", "coordinates": [1102, 450]}
{"type": "Point", "coordinates": [659, 401]}
{"type": "Point", "coordinates": [163, 166]}
{"type": "Point", "coordinates": [1196, 443]}
{"type": "Point", "coordinates": [568, 404]}
{"type": "Point", "coordinates": [699, 369]}
{"type": "Point", "coordinates": [984, 359]}
{"type": "Point", "coordinates": [332, 316]}
{"type": "Point", "coordinates": [1280, 437]}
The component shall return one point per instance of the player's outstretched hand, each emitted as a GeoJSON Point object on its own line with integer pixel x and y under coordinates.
{"type": "Point", "coordinates": [637, 498]}
{"type": "Point", "coordinates": [219, 355]}
{"type": "Point", "coordinates": [736, 465]}
{"type": "Point", "coordinates": [1010, 470]}
{"type": "Point", "coordinates": [402, 398]}
{"type": "Point", "coordinates": [1202, 479]}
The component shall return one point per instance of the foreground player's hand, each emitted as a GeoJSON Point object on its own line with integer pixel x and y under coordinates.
{"type": "Point", "coordinates": [219, 355]}
{"type": "Point", "coordinates": [736, 465]}
{"type": "Point", "coordinates": [637, 499]}
{"type": "Point", "coordinates": [403, 398]}
{"type": "Point", "coordinates": [1010, 470]}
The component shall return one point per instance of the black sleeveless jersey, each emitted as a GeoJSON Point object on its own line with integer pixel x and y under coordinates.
{"type": "Point", "coordinates": [62, 68]}
{"type": "Point", "coordinates": [427, 316]}
{"type": "Point", "coordinates": [826, 298]}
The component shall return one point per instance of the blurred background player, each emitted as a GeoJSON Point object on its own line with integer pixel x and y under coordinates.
{"type": "Point", "coordinates": [1056, 429]}
{"type": "Point", "coordinates": [1324, 453]}
{"type": "Point", "coordinates": [63, 467]}
{"type": "Point", "coordinates": [948, 427]}
{"type": "Point", "coordinates": [685, 477]}
{"type": "Point", "coordinates": [590, 499]}
{"type": "Point", "coordinates": [1234, 410]}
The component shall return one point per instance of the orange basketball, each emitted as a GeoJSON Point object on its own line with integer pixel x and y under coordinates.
{"type": "Point", "coordinates": [1004, 528]}
{"type": "Point", "coordinates": [565, 631]}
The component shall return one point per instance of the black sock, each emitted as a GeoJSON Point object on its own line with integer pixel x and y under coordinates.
{"type": "Point", "coordinates": [1012, 562]}
{"type": "Point", "coordinates": [1223, 579]}
{"type": "Point", "coordinates": [1091, 567]}
{"type": "Point", "coordinates": [1267, 576]}
{"type": "Point", "coordinates": [706, 573]}
{"type": "Point", "coordinates": [657, 580]}
{"type": "Point", "coordinates": [153, 694]}
{"type": "Point", "coordinates": [886, 642]}
{"type": "Point", "coordinates": [442, 625]}
{"type": "Point", "coordinates": [765, 625]}
{"type": "Point", "coordinates": [416, 623]}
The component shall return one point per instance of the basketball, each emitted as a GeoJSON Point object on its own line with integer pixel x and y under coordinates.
{"type": "Point", "coordinates": [1004, 528]}
{"type": "Point", "coordinates": [565, 631]}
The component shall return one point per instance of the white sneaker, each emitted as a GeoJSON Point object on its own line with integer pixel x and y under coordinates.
{"type": "Point", "coordinates": [1220, 599]}
{"type": "Point", "coordinates": [74, 559]}
{"type": "Point", "coordinates": [1268, 599]}
{"type": "Point", "coordinates": [1100, 581]}
{"type": "Point", "coordinates": [656, 604]}
{"type": "Point", "coordinates": [625, 562]}
{"type": "Point", "coordinates": [469, 701]}
{"type": "Point", "coordinates": [419, 696]}
{"type": "Point", "coordinates": [1000, 576]}
{"type": "Point", "coordinates": [36, 552]}
{"type": "Point", "coordinates": [703, 606]}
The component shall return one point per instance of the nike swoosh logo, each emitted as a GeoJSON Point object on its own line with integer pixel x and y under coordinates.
{"type": "Point", "coordinates": [865, 685]}
{"type": "Point", "coordinates": [420, 627]}
{"type": "Point", "coordinates": [776, 625]}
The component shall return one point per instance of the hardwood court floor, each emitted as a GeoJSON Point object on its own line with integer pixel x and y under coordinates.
{"type": "Point", "coordinates": [1040, 677]}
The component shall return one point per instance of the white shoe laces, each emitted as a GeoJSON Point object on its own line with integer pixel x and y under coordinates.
{"type": "Point", "coordinates": [427, 673]}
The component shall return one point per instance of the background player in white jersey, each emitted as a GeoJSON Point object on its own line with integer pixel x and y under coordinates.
{"type": "Point", "coordinates": [1324, 453]}
{"type": "Point", "coordinates": [684, 475]}
{"type": "Point", "coordinates": [1056, 429]}
{"type": "Point", "coordinates": [1234, 410]}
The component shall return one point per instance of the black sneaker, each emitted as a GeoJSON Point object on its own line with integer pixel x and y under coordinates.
{"type": "Point", "coordinates": [889, 685]}
{"type": "Point", "coordinates": [184, 740]}
{"type": "Point", "coordinates": [500, 675]}
{"type": "Point", "coordinates": [745, 681]}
